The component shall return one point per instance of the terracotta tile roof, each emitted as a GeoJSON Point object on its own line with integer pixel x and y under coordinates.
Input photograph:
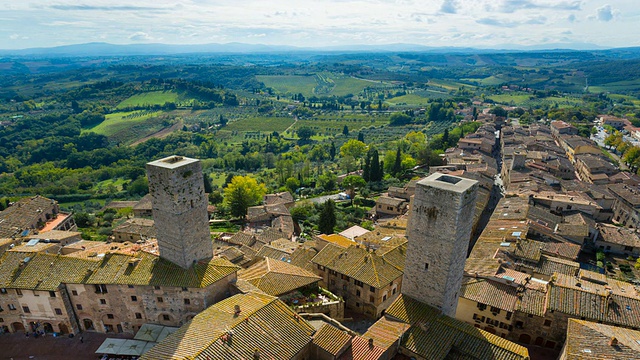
{"type": "Point", "coordinates": [435, 336]}
{"type": "Point", "coordinates": [490, 293]}
{"type": "Point", "coordinates": [360, 264]}
{"type": "Point", "coordinates": [527, 250]}
{"type": "Point", "coordinates": [23, 214]}
{"type": "Point", "coordinates": [242, 238]}
{"type": "Point", "coordinates": [264, 323]}
{"type": "Point", "coordinates": [337, 239]}
{"type": "Point", "coordinates": [616, 235]}
{"type": "Point", "coordinates": [144, 203]}
{"type": "Point", "coordinates": [354, 232]}
{"type": "Point", "coordinates": [386, 331]}
{"type": "Point", "coordinates": [274, 253]}
{"type": "Point", "coordinates": [564, 250]}
{"type": "Point", "coordinates": [532, 301]}
{"type": "Point", "coordinates": [46, 272]}
{"type": "Point", "coordinates": [276, 277]}
{"type": "Point", "coordinates": [594, 302]}
{"type": "Point", "coordinates": [278, 198]}
{"type": "Point", "coordinates": [589, 340]}
{"type": "Point", "coordinates": [361, 350]}
{"type": "Point", "coordinates": [269, 235]}
{"type": "Point", "coordinates": [231, 253]}
{"type": "Point", "coordinates": [285, 245]}
{"type": "Point", "coordinates": [57, 235]}
{"type": "Point", "coordinates": [517, 277]}
{"type": "Point", "coordinates": [482, 267]}
{"type": "Point", "coordinates": [246, 287]}
{"type": "Point", "coordinates": [266, 212]}
{"type": "Point", "coordinates": [331, 339]}
{"type": "Point", "coordinates": [302, 258]}
{"type": "Point", "coordinates": [143, 227]}
{"type": "Point", "coordinates": [549, 265]}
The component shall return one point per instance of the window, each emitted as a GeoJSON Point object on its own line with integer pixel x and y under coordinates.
{"type": "Point", "coordinates": [138, 316]}
{"type": "Point", "coordinates": [530, 315]}
{"type": "Point", "coordinates": [109, 316]}
{"type": "Point", "coordinates": [187, 301]}
{"type": "Point", "coordinates": [103, 302]}
{"type": "Point", "coordinates": [134, 298]}
{"type": "Point", "coordinates": [78, 306]}
{"type": "Point", "coordinates": [3, 291]}
{"type": "Point", "coordinates": [372, 289]}
{"type": "Point", "coordinates": [58, 311]}
{"type": "Point", "coordinates": [482, 306]}
{"type": "Point", "coordinates": [372, 299]}
{"type": "Point", "coordinates": [130, 286]}
{"type": "Point", "coordinates": [35, 293]}
{"type": "Point", "coordinates": [344, 287]}
{"type": "Point", "coordinates": [12, 307]}
{"type": "Point", "coordinates": [628, 248]}
{"type": "Point", "coordinates": [74, 293]}
{"type": "Point", "coordinates": [547, 323]}
{"type": "Point", "coordinates": [101, 289]}
{"type": "Point", "coordinates": [185, 289]}
{"type": "Point", "coordinates": [1, 320]}
{"type": "Point", "coordinates": [357, 304]}
{"type": "Point", "coordinates": [108, 328]}
{"type": "Point", "coordinates": [358, 283]}
{"type": "Point", "coordinates": [26, 309]}
{"type": "Point", "coordinates": [384, 297]}
{"type": "Point", "coordinates": [160, 299]}
{"type": "Point", "coordinates": [19, 292]}
{"type": "Point", "coordinates": [52, 294]}
{"type": "Point", "coordinates": [426, 266]}
{"type": "Point", "coordinates": [333, 272]}
{"type": "Point", "coordinates": [357, 292]}
{"type": "Point", "coordinates": [393, 292]}
{"type": "Point", "coordinates": [509, 315]}
{"type": "Point", "coordinates": [333, 282]}
{"type": "Point", "coordinates": [320, 267]}
{"type": "Point", "coordinates": [166, 317]}
{"type": "Point", "coordinates": [157, 287]}
{"type": "Point", "coordinates": [495, 310]}
{"type": "Point", "coordinates": [477, 317]}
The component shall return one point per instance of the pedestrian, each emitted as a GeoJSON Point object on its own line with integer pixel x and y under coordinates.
{"type": "Point", "coordinates": [82, 339]}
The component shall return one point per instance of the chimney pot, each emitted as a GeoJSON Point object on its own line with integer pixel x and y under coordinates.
{"type": "Point", "coordinates": [613, 341]}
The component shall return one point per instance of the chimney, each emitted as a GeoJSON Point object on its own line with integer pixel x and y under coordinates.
{"type": "Point", "coordinates": [371, 342]}
{"type": "Point", "coordinates": [256, 354]}
{"type": "Point", "coordinates": [236, 309]}
{"type": "Point", "coordinates": [613, 341]}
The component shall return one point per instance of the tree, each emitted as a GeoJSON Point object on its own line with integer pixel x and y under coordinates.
{"type": "Point", "coordinates": [397, 165]}
{"type": "Point", "coordinates": [83, 219]}
{"type": "Point", "coordinates": [445, 139]}
{"type": "Point", "coordinates": [327, 180]}
{"type": "Point", "coordinates": [332, 151]}
{"type": "Point", "coordinates": [498, 111]}
{"type": "Point", "coordinates": [399, 118]}
{"type": "Point", "coordinates": [242, 192]}
{"type": "Point", "coordinates": [327, 220]}
{"type": "Point", "coordinates": [361, 136]}
{"type": "Point", "coordinates": [345, 130]}
{"type": "Point", "coordinates": [305, 133]}
{"type": "Point", "coordinates": [292, 184]}
{"type": "Point", "coordinates": [208, 187]}
{"type": "Point", "coordinates": [351, 183]}
{"type": "Point", "coordinates": [353, 148]}
{"type": "Point", "coordinates": [376, 172]}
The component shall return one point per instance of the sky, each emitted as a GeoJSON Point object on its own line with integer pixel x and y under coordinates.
{"type": "Point", "coordinates": [457, 23]}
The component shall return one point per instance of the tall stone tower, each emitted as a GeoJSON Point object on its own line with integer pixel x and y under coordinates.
{"type": "Point", "coordinates": [438, 231]}
{"type": "Point", "coordinates": [179, 208]}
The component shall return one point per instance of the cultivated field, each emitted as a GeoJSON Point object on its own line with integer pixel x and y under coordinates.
{"type": "Point", "coordinates": [149, 98]}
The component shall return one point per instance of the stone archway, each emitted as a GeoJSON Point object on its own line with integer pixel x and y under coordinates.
{"type": "Point", "coordinates": [47, 327]}
{"type": "Point", "coordinates": [525, 339]}
{"type": "Point", "coordinates": [17, 327]}
{"type": "Point", "coordinates": [88, 324]}
{"type": "Point", "coordinates": [63, 329]}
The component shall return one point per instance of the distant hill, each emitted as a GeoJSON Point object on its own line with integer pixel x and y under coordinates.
{"type": "Point", "coordinates": [106, 49]}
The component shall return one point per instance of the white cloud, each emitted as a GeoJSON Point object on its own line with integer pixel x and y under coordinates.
{"type": "Point", "coordinates": [449, 7]}
{"type": "Point", "coordinates": [604, 13]}
{"type": "Point", "coordinates": [140, 37]}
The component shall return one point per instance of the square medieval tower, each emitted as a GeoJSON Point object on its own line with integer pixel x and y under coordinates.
{"type": "Point", "coordinates": [179, 208]}
{"type": "Point", "coordinates": [438, 231]}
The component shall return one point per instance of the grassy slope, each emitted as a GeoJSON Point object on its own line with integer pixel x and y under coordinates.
{"type": "Point", "coordinates": [150, 98]}
{"type": "Point", "coordinates": [119, 121]}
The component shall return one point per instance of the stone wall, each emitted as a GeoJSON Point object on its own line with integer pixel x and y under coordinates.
{"type": "Point", "coordinates": [438, 231]}
{"type": "Point", "coordinates": [180, 210]}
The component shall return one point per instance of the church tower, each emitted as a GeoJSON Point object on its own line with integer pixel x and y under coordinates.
{"type": "Point", "coordinates": [179, 208]}
{"type": "Point", "coordinates": [438, 231]}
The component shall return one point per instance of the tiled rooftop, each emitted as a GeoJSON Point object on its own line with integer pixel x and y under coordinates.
{"type": "Point", "coordinates": [22, 215]}
{"type": "Point", "coordinates": [331, 339]}
{"type": "Point", "coordinates": [589, 340]}
{"type": "Point", "coordinates": [264, 323]}
{"type": "Point", "coordinates": [490, 293]}
{"type": "Point", "coordinates": [276, 277]}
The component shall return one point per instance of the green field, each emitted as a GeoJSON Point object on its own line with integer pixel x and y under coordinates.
{"type": "Point", "coordinates": [149, 98]}
{"type": "Point", "coordinates": [409, 99]}
{"type": "Point", "coordinates": [118, 122]}
{"type": "Point", "coordinates": [515, 99]}
{"type": "Point", "coordinates": [290, 84]}
{"type": "Point", "coordinates": [348, 85]}
{"type": "Point", "coordinates": [628, 85]}
{"type": "Point", "coordinates": [266, 124]}
{"type": "Point", "coordinates": [328, 125]}
{"type": "Point", "coordinates": [449, 85]}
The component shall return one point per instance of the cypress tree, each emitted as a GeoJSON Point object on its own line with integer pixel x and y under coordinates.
{"type": "Point", "coordinates": [397, 165]}
{"type": "Point", "coordinates": [376, 172]}
{"type": "Point", "coordinates": [327, 220]}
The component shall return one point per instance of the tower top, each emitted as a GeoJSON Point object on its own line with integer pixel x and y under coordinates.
{"type": "Point", "coordinates": [447, 182]}
{"type": "Point", "coordinates": [172, 162]}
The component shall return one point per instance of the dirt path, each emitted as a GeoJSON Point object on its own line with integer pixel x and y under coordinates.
{"type": "Point", "coordinates": [160, 134]}
{"type": "Point", "coordinates": [295, 120]}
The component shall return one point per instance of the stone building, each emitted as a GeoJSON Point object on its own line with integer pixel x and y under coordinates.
{"type": "Point", "coordinates": [135, 229]}
{"type": "Point", "coordinates": [438, 231]}
{"type": "Point", "coordinates": [179, 203]}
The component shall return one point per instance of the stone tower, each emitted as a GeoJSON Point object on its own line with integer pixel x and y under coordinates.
{"type": "Point", "coordinates": [179, 208]}
{"type": "Point", "coordinates": [438, 231]}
